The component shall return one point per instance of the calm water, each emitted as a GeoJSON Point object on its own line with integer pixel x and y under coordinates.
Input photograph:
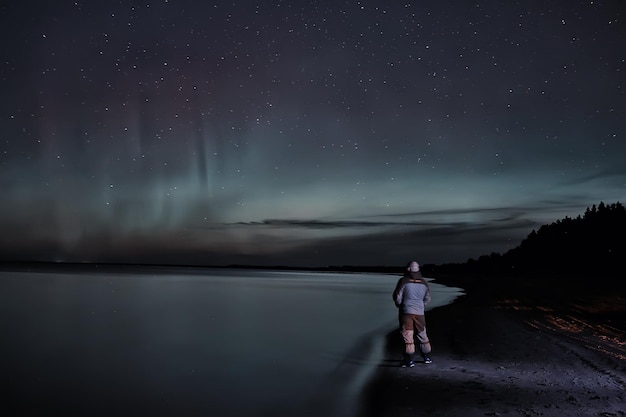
{"type": "Point", "coordinates": [225, 343]}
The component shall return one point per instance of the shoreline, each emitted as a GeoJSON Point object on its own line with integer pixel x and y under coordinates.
{"type": "Point", "coordinates": [496, 354]}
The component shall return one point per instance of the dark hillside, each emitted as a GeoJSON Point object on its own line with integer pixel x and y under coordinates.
{"type": "Point", "coordinates": [591, 246]}
{"type": "Point", "coordinates": [593, 242]}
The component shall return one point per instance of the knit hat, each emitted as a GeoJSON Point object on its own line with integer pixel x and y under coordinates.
{"type": "Point", "coordinates": [414, 266]}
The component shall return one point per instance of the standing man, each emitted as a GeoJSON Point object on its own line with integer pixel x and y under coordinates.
{"type": "Point", "coordinates": [411, 295]}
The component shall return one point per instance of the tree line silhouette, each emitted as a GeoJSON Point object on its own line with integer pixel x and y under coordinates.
{"type": "Point", "coordinates": [592, 245]}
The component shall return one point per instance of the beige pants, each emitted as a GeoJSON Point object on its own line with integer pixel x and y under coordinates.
{"type": "Point", "coordinates": [414, 326]}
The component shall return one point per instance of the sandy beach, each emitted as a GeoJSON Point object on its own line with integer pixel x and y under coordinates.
{"type": "Point", "coordinates": [505, 352]}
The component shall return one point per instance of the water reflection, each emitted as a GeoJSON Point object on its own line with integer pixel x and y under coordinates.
{"type": "Point", "coordinates": [242, 344]}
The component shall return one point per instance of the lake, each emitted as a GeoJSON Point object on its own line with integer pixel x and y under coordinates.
{"type": "Point", "coordinates": [201, 342]}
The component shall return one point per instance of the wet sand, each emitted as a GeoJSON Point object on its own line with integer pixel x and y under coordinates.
{"type": "Point", "coordinates": [511, 352]}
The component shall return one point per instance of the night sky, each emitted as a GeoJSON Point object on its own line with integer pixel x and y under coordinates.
{"type": "Point", "coordinates": [304, 133]}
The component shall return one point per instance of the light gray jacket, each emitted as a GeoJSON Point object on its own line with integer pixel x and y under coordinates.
{"type": "Point", "coordinates": [412, 294]}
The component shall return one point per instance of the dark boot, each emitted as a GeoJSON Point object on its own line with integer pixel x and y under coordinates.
{"type": "Point", "coordinates": [407, 361]}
